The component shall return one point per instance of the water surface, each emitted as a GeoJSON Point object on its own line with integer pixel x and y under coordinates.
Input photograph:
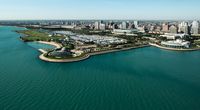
{"type": "Point", "coordinates": [38, 45]}
{"type": "Point", "coordinates": [141, 79]}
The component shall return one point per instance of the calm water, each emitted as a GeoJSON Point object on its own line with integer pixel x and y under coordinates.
{"type": "Point", "coordinates": [38, 45]}
{"type": "Point", "coordinates": [141, 79]}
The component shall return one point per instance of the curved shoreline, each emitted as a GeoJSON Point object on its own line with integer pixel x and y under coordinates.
{"type": "Point", "coordinates": [173, 49]}
{"type": "Point", "coordinates": [51, 43]}
{"type": "Point", "coordinates": [42, 57]}
{"type": "Point", "coordinates": [88, 55]}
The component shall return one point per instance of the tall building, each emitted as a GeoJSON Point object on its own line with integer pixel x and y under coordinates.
{"type": "Point", "coordinates": [136, 23]}
{"type": "Point", "coordinates": [130, 25]}
{"type": "Point", "coordinates": [97, 25]}
{"type": "Point", "coordinates": [173, 29]}
{"type": "Point", "coordinates": [195, 27]}
{"type": "Point", "coordinates": [102, 26]}
{"type": "Point", "coordinates": [184, 28]}
{"type": "Point", "coordinates": [165, 27]}
{"type": "Point", "coordinates": [124, 25]}
{"type": "Point", "coordinates": [115, 26]}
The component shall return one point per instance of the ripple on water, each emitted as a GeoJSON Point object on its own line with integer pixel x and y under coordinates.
{"type": "Point", "coordinates": [140, 79]}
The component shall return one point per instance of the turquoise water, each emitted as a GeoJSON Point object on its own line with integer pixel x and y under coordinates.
{"type": "Point", "coordinates": [38, 45]}
{"type": "Point", "coordinates": [140, 79]}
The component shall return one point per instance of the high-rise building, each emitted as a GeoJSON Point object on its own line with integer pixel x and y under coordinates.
{"type": "Point", "coordinates": [136, 23]}
{"type": "Point", "coordinates": [195, 27]}
{"type": "Point", "coordinates": [165, 27]}
{"type": "Point", "coordinates": [184, 28]}
{"type": "Point", "coordinates": [102, 26]}
{"type": "Point", "coordinates": [115, 26]}
{"type": "Point", "coordinates": [97, 25]}
{"type": "Point", "coordinates": [173, 29]}
{"type": "Point", "coordinates": [130, 25]}
{"type": "Point", "coordinates": [124, 25]}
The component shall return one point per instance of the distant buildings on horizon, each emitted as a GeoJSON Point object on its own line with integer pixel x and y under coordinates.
{"type": "Point", "coordinates": [158, 27]}
{"type": "Point", "coordinates": [166, 27]}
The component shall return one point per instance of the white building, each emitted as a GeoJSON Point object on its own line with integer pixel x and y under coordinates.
{"type": "Point", "coordinates": [124, 25]}
{"type": "Point", "coordinates": [176, 44]}
{"type": "Point", "coordinates": [97, 25]}
{"type": "Point", "coordinates": [195, 27]}
{"type": "Point", "coordinates": [102, 26]}
{"type": "Point", "coordinates": [183, 27]}
{"type": "Point", "coordinates": [136, 23]}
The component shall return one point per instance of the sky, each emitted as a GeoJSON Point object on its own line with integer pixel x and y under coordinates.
{"type": "Point", "coordinates": [100, 9]}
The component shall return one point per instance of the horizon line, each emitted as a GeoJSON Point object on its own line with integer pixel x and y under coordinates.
{"type": "Point", "coordinates": [100, 19]}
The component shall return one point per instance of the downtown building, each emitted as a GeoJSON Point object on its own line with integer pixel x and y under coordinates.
{"type": "Point", "coordinates": [165, 27]}
{"type": "Point", "coordinates": [195, 27]}
{"type": "Point", "coordinates": [124, 25]}
{"type": "Point", "coordinates": [136, 24]}
{"type": "Point", "coordinates": [102, 26]}
{"type": "Point", "coordinates": [175, 40]}
{"type": "Point", "coordinates": [183, 28]}
{"type": "Point", "coordinates": [97, 25]}
{"type": "Point", "coordinates": [173, 29]}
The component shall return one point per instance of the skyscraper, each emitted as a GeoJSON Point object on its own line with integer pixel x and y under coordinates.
{"type": "Point", "coordinates": [136, 23]}
{"type": "Point", "coordinates": [184, 28]}
{"type": "Point", "coordinates": [130, 25]}
{"type": "Point", "coordinates": [97, 25]}
{"type": "Point", "coordinates": [173, 29]}
{"type": "Point", "coordinates": [102, 26]}
{"type": "Point", "coordinates": [124, 25]}
{"type": "Point", "coordinates": [115, 26]}
{"type": "Point", "coordinates": [165, 27]}
{"type": "Point", "coordinates": [195, 27]}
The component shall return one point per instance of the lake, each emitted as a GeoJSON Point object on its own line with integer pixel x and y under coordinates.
{"type": "Point", "coordinates": [139, 79]}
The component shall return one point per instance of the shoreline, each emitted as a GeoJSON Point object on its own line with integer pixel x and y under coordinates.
{"type": "Point", "coordinates": [50, 43]}
{"type": "Point", "coordinates": [173, 49]}
{"type": "Point", "coordinates": [43, 58]}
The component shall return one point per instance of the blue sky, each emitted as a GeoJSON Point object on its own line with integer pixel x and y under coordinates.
{"type": "Point", "coordinates": [100, 9]}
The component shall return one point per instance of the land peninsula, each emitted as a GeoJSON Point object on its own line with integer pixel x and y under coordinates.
{"type": "Point", "coordinates": [77, 47]}
{"type": "Point", "coordinates": [79, 44]}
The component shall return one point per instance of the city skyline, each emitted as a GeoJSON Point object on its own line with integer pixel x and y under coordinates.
{"type": "Point", "coordinates": [99, 55]}
{"type": "Point", "coordinates": [104, 9]}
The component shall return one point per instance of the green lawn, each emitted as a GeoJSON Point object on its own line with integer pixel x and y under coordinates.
{"type": "Point", "coordinates": [35, 35]}
{"type": "Point", "coordinates": [66, 57]}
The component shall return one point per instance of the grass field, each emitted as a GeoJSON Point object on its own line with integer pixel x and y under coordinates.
{"type": "Point", "coordinates": [35, 35]}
